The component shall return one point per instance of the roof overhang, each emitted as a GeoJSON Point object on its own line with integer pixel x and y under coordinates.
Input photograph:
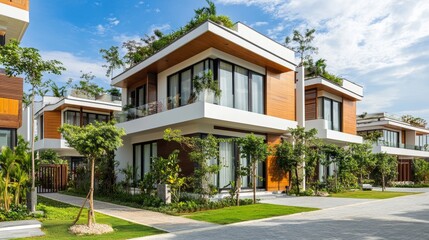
{"type": "Point", "coordinates": [348, 90]}
{"type": "Point", "coordinates": [14, 21]}
{"type": "Point", "coordinates": [260, 51]}
{"type": "Point", "coordinates": [388, 123]}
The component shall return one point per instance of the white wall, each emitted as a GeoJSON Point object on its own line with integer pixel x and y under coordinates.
{"type": "Point", "coordinates": [124, 156]}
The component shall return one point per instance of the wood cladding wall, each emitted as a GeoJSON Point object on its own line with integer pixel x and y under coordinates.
{"type": "Point", "coordinates": [11, 87]}
{"type": "Point", "coordinates": [10, 113]}
{"type": "Point", "coordinates": [280, 95]}
{"type": "Point", "coordinates": [276, 180]}
{"type": "Point", "coordinates": [310, 104]}
{"type": "Point", "coordinates": [349, 116]}
{"type": "Point", "coordinates": [165, 148]}
{"type": "Point", "coordinates": [51, 123]}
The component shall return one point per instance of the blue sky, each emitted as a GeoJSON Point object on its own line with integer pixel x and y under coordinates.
{"type": "Point", "coordinates": [382, 45]}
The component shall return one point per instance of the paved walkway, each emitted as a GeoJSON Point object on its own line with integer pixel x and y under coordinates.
{"type": "Point", "coordinates": [157, 220]}
{"type": "Point", "coordinates": [396, 218]}
{"type": "Point", "coordinates": [315, 202]}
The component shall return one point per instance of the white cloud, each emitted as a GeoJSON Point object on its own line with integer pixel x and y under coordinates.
{"type": "Point", "coordinates": [75, 64]}
{"type": "Point", "coordinates": [100, 29]}
{"type": "Point", "coordinates": [157, 10]}
{"type": "Point", "coordinates": [258, 24]}
{"type": "Point", "coordinates": [113, 21]}
{"type": "Point", "coordinates": [161, 27]}
{"type": "Point", "coordinates": [374, 43]}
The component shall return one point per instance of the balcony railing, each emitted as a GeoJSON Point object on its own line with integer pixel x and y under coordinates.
{"type": "Point", "coordinates": [103, 98]}
{"type": "Point", "coordinates": [22, 4]}
{"type": "Point", "coordinates": [163, 105]}
{"type": "Point", "coordinates": [404, 146]}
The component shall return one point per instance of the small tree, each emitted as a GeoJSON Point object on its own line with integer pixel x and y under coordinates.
{"type": "Point", "coordinates": [87, 87]}
{"type": "Point", "coordinates": [364, 158]}
{"type": "Point", "coordinates": [387, 168]}
{"type": "Point", "coordinates": [292, 156]}
{"type": "Point", "coordinates": [302, 44]}
{"type": "Point", "coordinates": [255, 149]}
{"type": "Point", "coordinates": [112, 58]}
{"type": "Point", "coordinates": [25, 61]}
{"type": "Point", "coordinates": [421, 170]}
{"type": "Point", "coordinates": [93, 141]}
{"type": "Point", "coordinates": [204, 152]}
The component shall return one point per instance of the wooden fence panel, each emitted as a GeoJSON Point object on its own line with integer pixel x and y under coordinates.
{"type": "Point", "coordinates": [52, 178]}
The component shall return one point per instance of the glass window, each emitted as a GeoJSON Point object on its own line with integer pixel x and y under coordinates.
{"type": "Point", "coordinates": [141, 96]}
{"type": "Point", "coordinates": [225, 81]}
{"type": "Point", "coordinates": [173, 91]}
{"type": "Point", "coordinates": [7, 138]}
{"type": "Point", "coordinates": [41, 132]}
{"type": "Point", "coordinates": [72, 118]}
{"type": "Point", "coordinates": [137, 162]}
{"type": "Point", "coordinates": [241, 88]}
{"type": "Point", "coordinates": [257, 93]}
{"type": "Point", "coordinates": [327, 111]}
{"type": "Point", "coordinates": [226, 157]}
{"type": "Point", "coordinates": [132, 99]}
{"type": "Point", "coordinates": [102, 118]}
{"type": "Point", "coordinates": [198, 69]}
{"type": "Point", "coordinates": [186, 86]}
{"type": "Point", "coordinates": [336, 111]}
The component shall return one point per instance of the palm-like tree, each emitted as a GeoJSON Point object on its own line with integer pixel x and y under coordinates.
{"type": "Point", "coordinates": [206, 11]}
{"type": "Point", "coordinates": [21, 178]}
{"type": "Point", "coordinates": [7, 165]}
{"type": "Point", "coordinates": [112, 58]}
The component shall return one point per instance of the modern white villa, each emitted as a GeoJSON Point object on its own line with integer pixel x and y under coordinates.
{"type": "Point", "coordinates": [263, 92]}
{"type": "Point", "coordinates": [399, 138]}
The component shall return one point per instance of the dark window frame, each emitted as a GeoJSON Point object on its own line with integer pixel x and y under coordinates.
{"type": "Point", "coordinates": [141, 171]}
{"type": "Point", "coordinates": [82, 117]}
{"type": "Point", "coordinates": [13, 137]}
{"type": "Point", "coordinates": [340, 112]}
{"type": "Point", "coordinates": [42, 127]}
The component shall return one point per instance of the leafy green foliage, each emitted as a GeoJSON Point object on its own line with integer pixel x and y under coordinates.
{"type": "Point", "coordinates": [49, 156]}
{"type": "Point", "coordinates": [205, 82]}
{"type": "Point", "coordinates": [362, 155]}
{"type": "Point", "coordinates": [414, 121]}
{"type": "Point", "coordinates": [138, 51]}
{"type": "Point", "coordinates": [421, 170]}
{"type": "Point", "coordinates": [301, 43]}
{"type": "Point", "coordinates": [87, 87]}
{"type": "Point", "coordinates": [14, 177]}
{"type": "Point", "coordinates": [386, 168]}
{"type": "Point", "coordinates": [255, 149]}
{"type": "Point", "coordinates": [319, 69]}
{"type": "Point", "coordinates": [204, 152]}
{"type": "Point", "coordinates": [291, 156]}
{"type": "Point", "coordinates": [167, 171]}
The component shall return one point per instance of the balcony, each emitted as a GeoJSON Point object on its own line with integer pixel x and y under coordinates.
{"type": "Point", "coordinates": [102, 98]}
{"type": "Point", "coordinates": [401, 149]}
{"type": "Point", "coordinates": [324, 132]}
{"type": "Point", "coordinates": [204, 109]}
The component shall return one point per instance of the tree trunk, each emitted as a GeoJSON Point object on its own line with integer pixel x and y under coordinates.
{"type": "Point", "coordinates": [296, 180]}
{"type": "Point", "coordinates": [254, 181]}
{"type": "Point", "coordinates": [383, 186]}
{"type": "Point", "coordinates": [91, 196]}
{"type": "Point", "coordinates": [33, 165]}
{"type": "Point", "coordinates": [237, 180]}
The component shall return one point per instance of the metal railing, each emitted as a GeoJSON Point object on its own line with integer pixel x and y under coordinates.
{"type": "Point", "coordinates": [404, 146]}
{"type": "Point", "coordinates": [131, 113]}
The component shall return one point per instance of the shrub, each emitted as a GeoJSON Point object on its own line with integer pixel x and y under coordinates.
{"type": "Point", "coordinates": [421, 170]}
{"type": "Point", "coordinates": [16, 212]}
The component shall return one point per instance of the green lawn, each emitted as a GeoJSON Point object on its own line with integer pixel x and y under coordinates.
{"type": "Point", "coordinates": [59, 217]}
{"type": "Point", "coordinates": [371, 194]}
{"type": "Point", "coordinates": [245, 213]}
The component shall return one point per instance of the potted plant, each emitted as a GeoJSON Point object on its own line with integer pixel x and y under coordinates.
{"type": "Point", "coordinates": [205, 84]}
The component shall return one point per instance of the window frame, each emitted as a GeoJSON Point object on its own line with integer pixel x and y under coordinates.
{"type": "Point", "coordinates": [340, 112]}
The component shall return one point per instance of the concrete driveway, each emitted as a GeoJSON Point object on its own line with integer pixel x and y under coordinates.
{"type": "Point", "coordinates": [396, 218]}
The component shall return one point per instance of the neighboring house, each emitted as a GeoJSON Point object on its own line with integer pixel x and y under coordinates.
{"type": "Point", "coordinates": [330, 108]}
{"type": "Point", "coordinates": [257, 79]}
{"type": "Point", "coordinates": [52, 112]}
{"type": "Point", "coordinates": [14, 19]}
{"type": "Point", "coordinates": [399, 139]}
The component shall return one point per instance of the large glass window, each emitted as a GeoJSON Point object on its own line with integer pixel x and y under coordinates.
{"type": "Point", "coordinates": [330, 110]}
{"type": "Point", "coordinates": [141, 96]}
{"type": "Point", "coordinates": [241, 88]}
{"type": "Point", "coordinates": [390, 138]}
{"type": "Point", "coordinates": [257, 93]}
{"type": "Point", "coordinates": [186, 87]}
{"type": "Point", "coordinates": [143, 158]}
{"type": "Point", "coordinates": [7, 138]}
{"type": "Point", "coordinates": [73, 118]}
{"type": "Point", "coordinates": [226, 85]}
{"type": "Point", "coordinates": [422, 141]}
{"type": "Point", "coordinates": [173, 91]}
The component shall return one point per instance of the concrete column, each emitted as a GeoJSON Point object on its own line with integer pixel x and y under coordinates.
{"type": "Point", "coordinates": [300, 108]}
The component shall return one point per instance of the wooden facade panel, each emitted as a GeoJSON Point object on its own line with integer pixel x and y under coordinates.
{"type": "Point", "coordinates": [276, 180]}
{"type": "Point", "coordinates": [311, 104]}
{"type": "Point", "coordinates": [280, 95]}
{"type": "Point", "coordinates": [22, 4]}
{"type": "Point", "coordinates": [51, 123]}
{"type": "Point", "coordinates": [165, 148]}
{"type": "Point", "coordinates": [11, 87]}
{"type": "Point", "coordinates": [349, 116]}
{"type": "Point", "coordinates": [9, 106]}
